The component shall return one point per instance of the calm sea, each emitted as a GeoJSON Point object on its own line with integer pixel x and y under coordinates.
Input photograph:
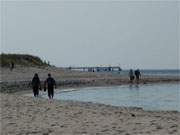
{"type": "Point", "coordinates": [148, 97]}
{"type": "Point", "coordinates": [158, 72]}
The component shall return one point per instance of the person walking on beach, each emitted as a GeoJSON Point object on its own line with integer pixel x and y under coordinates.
{"type": "Point", "coordinates": [137, 74]}
{"type": "Point", "coordinates": [11, 66]}
{"type": "Point", "coordinates": [51, 84]}
{"type": "Point", "coordinates": [131, 75]}
{"type": "Point", "coordinates": [36, 85]}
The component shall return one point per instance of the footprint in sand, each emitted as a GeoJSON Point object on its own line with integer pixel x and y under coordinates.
{"type": "Point", "coordinates": [11, 123]}
{"type": "Point", "coordinates": [105, 130]}
{"type": "Point", "coordinates": [47, 131]}
{"type": "Point", "coordinates": [120, 131]}
{"type": "Point", "coordinates": [173, 131]}
{"type": "Point", "coordinates": [54, 125]}
{"type": "Point", "coordinates": [174, 126]}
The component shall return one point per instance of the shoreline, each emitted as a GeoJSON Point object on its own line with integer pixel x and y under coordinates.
{"type": "Point", "coordinates": [20, 78]}
{"type": "Point", "coordinates": [11, 87]}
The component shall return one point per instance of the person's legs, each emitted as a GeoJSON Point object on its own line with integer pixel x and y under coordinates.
{"type": "Point", "coordinates": [52, 93]}
{"type": "Point", "coordinates": [35, 91]}
{"type": "Point", "coordinates": [49, 93]}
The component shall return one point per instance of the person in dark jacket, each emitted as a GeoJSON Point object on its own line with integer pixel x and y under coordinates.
{"type": "Point", "coordinates": [36, 85]}
{"type": "Point", "coordinates": [137, 74]}
{"type": "Point", "coordinates": [51, 84]}
{"type": "Point", "coordinates": [131, 75]}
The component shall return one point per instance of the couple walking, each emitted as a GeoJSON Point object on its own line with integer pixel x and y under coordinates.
{"type": "Point", "coordinates": [49, 83]}
{"type": "Point", "coordinates": [137, 74]}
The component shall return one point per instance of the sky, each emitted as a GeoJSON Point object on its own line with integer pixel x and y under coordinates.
{"type": "Point", "coordinates": [133, 34]}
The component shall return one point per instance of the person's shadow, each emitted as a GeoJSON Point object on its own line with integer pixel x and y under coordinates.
{"type": "Point", "coordinates": [130, 86]}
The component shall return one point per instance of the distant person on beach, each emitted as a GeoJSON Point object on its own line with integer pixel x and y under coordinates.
{"type": "Point", "coordinates": [137, 74]}
{"type": "Point", "coordinates": [131, 75]}
{"type": "Point", "coordinates": [36, 84]}
{"type": "Point", "coordinates": [51, 84]}
{"type": "Point", "coordinates": [12, 66]}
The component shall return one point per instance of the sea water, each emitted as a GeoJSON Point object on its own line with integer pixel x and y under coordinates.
{"type": "Point", "coordinates": [149, 96]}
{"type": "Point", "coordinates": [155, 72]}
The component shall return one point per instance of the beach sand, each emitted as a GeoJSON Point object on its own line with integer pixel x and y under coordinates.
{"type": "Point", "coordinates": [22, 115]}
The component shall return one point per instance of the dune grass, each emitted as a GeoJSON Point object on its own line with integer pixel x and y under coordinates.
{"type": "Point", "coordinates": [21, 59]}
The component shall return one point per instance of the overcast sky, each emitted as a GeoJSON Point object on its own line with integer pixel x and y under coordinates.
{"type": "Point", "coordinates": [132, 34]}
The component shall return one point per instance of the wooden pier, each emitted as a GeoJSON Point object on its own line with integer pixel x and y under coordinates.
{"type": "Point", "coordinates": [97, 69]}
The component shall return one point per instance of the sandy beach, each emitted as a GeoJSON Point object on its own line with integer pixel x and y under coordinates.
{"type": "Point", "coordinates": [29, 116]}
{"type": "Point", "coordinates": [22, 115]}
